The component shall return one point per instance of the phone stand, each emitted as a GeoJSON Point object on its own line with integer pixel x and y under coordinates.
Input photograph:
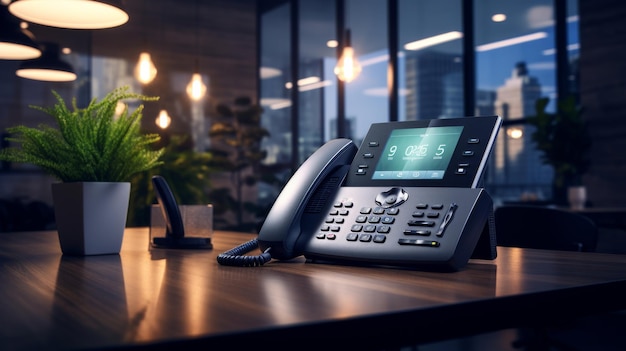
{"type": "Point", "coordinates": [196, 223]}
{"type": "Point", "coordinates": [196, 220]}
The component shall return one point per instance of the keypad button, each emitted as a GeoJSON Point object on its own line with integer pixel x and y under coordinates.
{"type": "Point", "coordinates": [374, 219]}
{"type": "Point", "coordinates": [418, 223]}
{"type": "Point", "coordinates": [417, 232]}
{"type": "Point", "coordinates": [418, 242]}
{"type": "Point", "coordinates": [383, 229]}
{"type": "Point", "coordinates": [370, 228]}
{"type": "Point", "coordinates": [356, 228]}
{"type": "Point", "coordinates": [365, 237]}
{"type": "Point", "coordinates": [393, 211]}
{"type": "Point", "coordinates": [379, 238]}
{"type": "Point", "coordinates": [387, 220]}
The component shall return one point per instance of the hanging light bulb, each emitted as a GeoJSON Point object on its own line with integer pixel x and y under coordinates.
{"type": "Point", "coordinates": [145, 71]}
{"type": "Point", "coordinates": [196, 89]}
{"type": "Point", "coordinates": [348, 67]}
{"type": "Point", "coordinates": [163, 120]}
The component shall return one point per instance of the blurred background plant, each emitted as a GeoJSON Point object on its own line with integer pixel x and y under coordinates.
{"type": "Point", "coordinates": [236, 136]}
{"type": "Point", "coordinates": [187, 172]}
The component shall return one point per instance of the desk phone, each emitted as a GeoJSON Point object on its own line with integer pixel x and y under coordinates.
{"type": "Point", "coordinates": [408, 196]}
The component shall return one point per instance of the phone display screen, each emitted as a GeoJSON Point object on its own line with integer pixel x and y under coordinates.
{"type": "Point", "coordinates": [417, 153]}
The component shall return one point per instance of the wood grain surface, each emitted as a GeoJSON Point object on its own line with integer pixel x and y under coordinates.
{"type": "Point", "coordinates": [156, 298]}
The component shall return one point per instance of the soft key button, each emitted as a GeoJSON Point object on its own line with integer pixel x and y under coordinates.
{"type": "Point", "coordinates": [392, 197]}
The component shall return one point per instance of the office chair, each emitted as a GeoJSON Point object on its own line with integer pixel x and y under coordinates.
{"type": "Point", "coordinates": [539, 227]}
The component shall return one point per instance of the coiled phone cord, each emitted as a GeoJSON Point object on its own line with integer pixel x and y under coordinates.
{"type": "Point", "coordinates": [236, 257]}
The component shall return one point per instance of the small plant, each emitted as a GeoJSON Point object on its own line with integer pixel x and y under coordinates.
{"type": "Point", "coordinates": [92, 144]}
{"type": "Point", "coordinates": [238, 132]}
{"type": "Point", "coordinates": [564, 140]}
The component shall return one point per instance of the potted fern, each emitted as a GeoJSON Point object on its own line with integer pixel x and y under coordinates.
{"type": "Point", "coordinates": [93, 152]}
{"type": "Point", "coordinates": [564, 140]}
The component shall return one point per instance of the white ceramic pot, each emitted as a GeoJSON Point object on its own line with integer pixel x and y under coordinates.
{"type": "Point", "coordinates": [577, 197]}
{"type": "Point", "coordinates": [91, 216]}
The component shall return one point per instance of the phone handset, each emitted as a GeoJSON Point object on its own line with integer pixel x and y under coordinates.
{"type": "Point", "coordinates": [282, 226]}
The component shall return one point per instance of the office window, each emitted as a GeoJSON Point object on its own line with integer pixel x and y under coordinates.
{"type": "Point", "coordinates": [317, 84]}
{"type": "Point", "coordinates": [430, 67]}
{"type": "Point", "coordinates": [367, 97]}
{"type": "Point", "coordinates": [515, 66]}
{"type": "Point", "coordinates": [514, 53]}
{"type": "Point", "coordinates": [573, 46]}
{"type": "Point", "coordinates": [275, 77]}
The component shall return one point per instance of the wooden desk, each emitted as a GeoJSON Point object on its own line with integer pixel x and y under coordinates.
{"type": "Point", "coordinates": [162, 299]}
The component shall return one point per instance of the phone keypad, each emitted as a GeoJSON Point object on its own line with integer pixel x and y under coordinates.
{"type": "Point", "coordinates": [372, 224]}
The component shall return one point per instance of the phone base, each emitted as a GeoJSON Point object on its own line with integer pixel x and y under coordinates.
{"type": "Point", "coordinates": [182, 243]}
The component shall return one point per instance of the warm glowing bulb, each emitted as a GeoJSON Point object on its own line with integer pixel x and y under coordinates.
{"type": "Point", "coordinates": [145, 71]}
{"type": "Point", "coordinates": [120, 107]}
{"type": "Point", "coordinates": [515, 133]}
{"type": "Point", "coordinates": [348, 67]}
{"type": "Point", "coordinates": [163, 120]}
{"type": "Point", "coordinates": [196, 88]}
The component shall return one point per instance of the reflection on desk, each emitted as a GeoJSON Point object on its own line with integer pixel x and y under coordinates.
{"type": "Point", "coordinates": [164, 298]}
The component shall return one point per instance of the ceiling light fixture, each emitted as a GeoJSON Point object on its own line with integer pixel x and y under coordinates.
{"type": "Point", "coordinates": [72, 14]}
{"type": "Point", "coordinates": [163, 120]}
{"type": "Point", "coordinates": [16, 43]}
{"type": "Point", "coordinates": [348, 67]}
{"type": "Point", "coordinates": [432, 41]}
{"type": "Point", "coordinates": [498, 17]}
{"type": "Point", "coordinates": [145, 70]}
{"type": "Point", "coordinates": [512, 41]}
{"type": "Point", "coordinates": [196, 89]}
{"type": "Point", "coordinates": [47, 67]}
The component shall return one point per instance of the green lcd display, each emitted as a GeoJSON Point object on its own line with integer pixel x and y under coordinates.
{"type": "Point", "coordinates": [417, 153]}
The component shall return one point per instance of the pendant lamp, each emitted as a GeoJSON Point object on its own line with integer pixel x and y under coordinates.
{"type": "Point", "coordinates": [163, 120]}
{"type": "Point", "coordinates": [47, 67]}
{"type": "Point", "coordinates": [196, 89]}
{"type": "Point", "coordinates": [16, 43]}
{"type": "Point", "coordinates": [72, 14]}
{"type": "Point", "coordinates": [145, 70]}
{"type": "Point", "coordinates": [348, 67]}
